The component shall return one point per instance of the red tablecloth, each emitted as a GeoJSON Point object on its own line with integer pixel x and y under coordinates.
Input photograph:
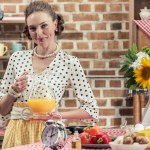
{"type": "Point", "coordinates": [144, 25]}
{"type": "Point", "coordinates": [40, 146]}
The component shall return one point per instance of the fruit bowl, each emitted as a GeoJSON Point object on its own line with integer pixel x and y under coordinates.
{"type": "Point", "coordinates": [42, 105]}
{"type": "Point", "coordinates": [134, 146]}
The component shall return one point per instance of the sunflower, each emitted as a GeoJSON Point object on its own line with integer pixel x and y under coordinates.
{"type": "Point", "coordinates": [142, 74]}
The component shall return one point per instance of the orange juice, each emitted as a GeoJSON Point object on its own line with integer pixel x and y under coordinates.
{"type": "Point", "coordinates": [42, 105]}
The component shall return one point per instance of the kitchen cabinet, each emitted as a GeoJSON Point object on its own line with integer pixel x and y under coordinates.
{"type": "Point", "coordinates": [137, 35]}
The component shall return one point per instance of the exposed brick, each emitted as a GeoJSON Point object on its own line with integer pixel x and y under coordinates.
{"type": "Point", "coordinates": [14, 1]}
{"type": "Point", "coordinates": [66, 18]}
{"type": "Point", "coordinates": [70, 103]}
{"type": "Point", "coordinates": [98, 36]}
{"type": "Point", "coordinates": [99, 64]}
{"type": "Point", "coordinates": [85, 64]}
{"type": "Point", "coordinates": [115, 7]}
{"type": "Point", "coordinates": [129, 102]}
{"type": "Point", "coordinates": [113, 54]}
{"type": "Point", "coordinates": [113, 93]}
{"type": "Point", "coordinates": [22, 8]}
{"type": "Point", "coordinates": [70, 26]}
{"type": "Point", "coordinates": [100, 26]}
{"type": "Point", "coordinates": [96, 93]}
{"type": "Point", "coordinates": [100, 8]}
{"type": "Point", "coordinates": [67, 45]}
{"type": "Point", "coordinates": [72, 36]}
{"type": "Point", "coordinates": [85, 17]}
{"type": "Point", "coordinates": [113, 44]}
{"type": "Point", "coordinates": [86, 54]}
{"type": "Point", "coordinates": [69, 7]}
{"type": "Point", "coordinates": [101, 72]}
{"type": "Point", "coordinates": [130, 121]}
{"type": "Point", "coordinates": [100, 83]}
{"type": "Point", "coordinates": [116, 26]}
{"type": "Point", "coordinates": [107, 112]}
{"type": "Point", "coordinates": [101, 102]}
{"type": "Point", "coordinates": [102, 122]}
{"type": "Point", "coordinates": [56, 7]}
{"type": "Point", "coordinates": [114, 64]}
{"type": "Point", "coordinates": [10, 8]}
{"type": "Point", "coordinates": [85, 26]}
{"type": "Point", "coordinates": [126, 112]}
{"type": "Point", "coordinates": [116, 102]}
{"type": "Point", "coordinates": [125, 44]}
{"type": "Point", "coordinates": [123, 35]}
{"type": "Point", "coordinates": [115, 83]}
{"type": "Point", "coordinates": [82, 45]}
{"type": "Point", "coordinates": [115, 17]}
{"type": "Point", "coordinates": [126, 7]}
{"type": "Point", "coordinates": [85, 7]}
{"type": "Point", "coordinates": [98, 45]}
{"type": "Point", "coordinates": [115, 121]}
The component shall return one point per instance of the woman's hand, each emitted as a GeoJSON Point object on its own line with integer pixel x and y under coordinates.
{"type": "Point", "coordinates": [21, 83]}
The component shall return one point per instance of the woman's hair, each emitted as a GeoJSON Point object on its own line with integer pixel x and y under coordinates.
{"type": "Point", "coordinates": [37, 6]}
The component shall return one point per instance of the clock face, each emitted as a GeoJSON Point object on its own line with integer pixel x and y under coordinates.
{"type": "Point", "coordinates": [50, 135]}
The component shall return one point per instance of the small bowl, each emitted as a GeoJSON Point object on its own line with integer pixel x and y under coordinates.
{"type": "Point", "coordinates": [135, 146]}
{"type": "Point", "coordinates": [42, 106]}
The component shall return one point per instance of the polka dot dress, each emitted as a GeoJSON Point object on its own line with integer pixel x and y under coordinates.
{"type": "Point", "coordinates": [63, 70]}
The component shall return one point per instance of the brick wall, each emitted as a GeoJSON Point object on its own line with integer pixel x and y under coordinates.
{"type": "Point", "coordinates": [97, 32]}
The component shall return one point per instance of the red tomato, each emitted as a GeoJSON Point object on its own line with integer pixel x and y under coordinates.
{"type": "Point", "coordinates": [103, 138]}
{"type": "Point", "coordinates": [94, 140]}
{"type": "Point", "coordinates": [85, 138]}
{"type": "Point", "coordinates": [92, 130]}
{"type": "Point", "coordinates": [100, 138]}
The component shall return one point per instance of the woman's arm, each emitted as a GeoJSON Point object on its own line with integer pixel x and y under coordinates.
{"type": "Point", "coordinates": [73, 114]}
{"type": "Point", "coordinates": [6, 103]}
{"type": "Point", "coordinates": [14, 91]}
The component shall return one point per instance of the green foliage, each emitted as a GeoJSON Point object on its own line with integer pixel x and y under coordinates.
{"type": "Point", "coordinates": [128, 60]}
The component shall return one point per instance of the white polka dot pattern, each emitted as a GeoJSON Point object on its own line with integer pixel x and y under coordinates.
{"type": "Point", "coordinates": [63, 70]}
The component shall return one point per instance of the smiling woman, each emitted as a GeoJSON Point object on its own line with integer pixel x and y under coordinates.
{"type": "Point", "coordinates": [48, 65]}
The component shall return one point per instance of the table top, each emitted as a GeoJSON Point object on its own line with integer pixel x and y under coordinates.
{"type": "Point", "coordinates": [40, 146]}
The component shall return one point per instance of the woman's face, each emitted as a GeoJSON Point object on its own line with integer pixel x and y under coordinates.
{"type": "Point", "coordinates": [41, 28]}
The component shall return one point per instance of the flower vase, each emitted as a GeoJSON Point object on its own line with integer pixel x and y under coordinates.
{"type": "Point", "coordinates": [136, 107]}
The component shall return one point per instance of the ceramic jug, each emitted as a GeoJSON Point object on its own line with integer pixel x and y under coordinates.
{"type": "Point", "coordinates": [145, 13]}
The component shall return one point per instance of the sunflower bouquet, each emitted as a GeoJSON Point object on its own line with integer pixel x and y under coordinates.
{"type": "Point", "coordinates": [136, 65]}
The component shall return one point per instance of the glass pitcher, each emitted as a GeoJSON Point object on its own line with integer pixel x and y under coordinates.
{"type": "Point", "coordinates": [41, 98]}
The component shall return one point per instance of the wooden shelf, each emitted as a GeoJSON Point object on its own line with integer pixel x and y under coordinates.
{"type": "Point", "coordinates": [13, 19]}
{"type": "Point", "coordinates": [4, 57]}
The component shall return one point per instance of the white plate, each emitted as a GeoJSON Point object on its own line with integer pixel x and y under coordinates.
{"type": "Point", "coordinates": [135, 146]}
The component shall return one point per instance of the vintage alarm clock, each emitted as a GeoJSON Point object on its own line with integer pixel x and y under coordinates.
{"type": "Point", "coordinates": [54, 134]}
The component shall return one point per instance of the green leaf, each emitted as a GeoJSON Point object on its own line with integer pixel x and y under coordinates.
{"type": "Point", "coordinates": [131, 83]}
{"type": "Point", "coordinates": [124, 68]}
{"type": "Point", "coordinates": [129, 73]}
